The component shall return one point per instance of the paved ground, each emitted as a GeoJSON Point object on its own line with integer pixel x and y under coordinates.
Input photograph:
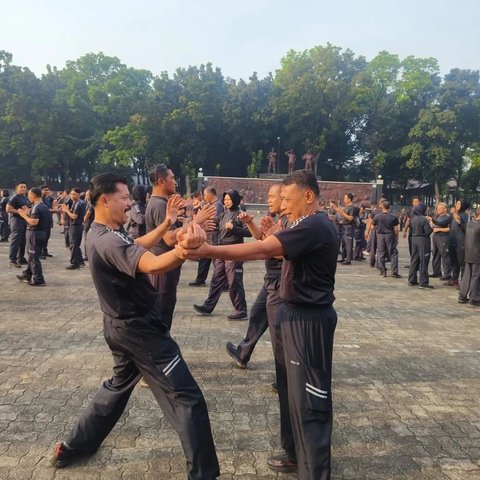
{"type": "Point", "coordinates": [406, 381]}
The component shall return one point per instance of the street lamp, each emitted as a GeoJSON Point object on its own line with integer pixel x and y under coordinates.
{"type": "Point", "coordinates": [200, 179]}
{"type": "Point", "coordinates": [277, 167]}
{"type": "Point", "coordinates": [379, 190]}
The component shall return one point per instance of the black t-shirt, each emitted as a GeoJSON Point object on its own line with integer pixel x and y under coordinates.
{"type": "Point", "coordinates": [385, 222]}
{"type": "Point", "coordinates": [472, 242]}
{"type": "Point", "coordinates": [79, 207]}
{"type": "Point", "coordinates": [48, 201]}
{"type": "Point", "coordinates": [457, 231]}
{"type": "Point", "coordinates": [40, 211]}
{"type": "Point", "coordinates": [154, 216]}
{"type": "Point", "coordinates": [308, 271]}
{"type": "Point", "coordinates": [420, 226]}
{"type": "Point", "coordinates": [113, 258]}
{"type": "Point", "coordinates": [351, 210]}
{"type": "Point", "coordinates": [18, 201]}
{"type": "Point", "coordinates": [442, 221]}
{"type": "Point", "coordinates": [274, 265]}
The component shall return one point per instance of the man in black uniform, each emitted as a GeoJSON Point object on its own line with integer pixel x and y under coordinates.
{"type": "Point", "coordinates": [4, 226]}
{"type": "Point", "coordinates": [421, 247]}
{"type": "Point", "coordinates": [306, 320]}
{"type": "Point", "coordinates": [47, 199]}
{"type": "Point", "coordinates": [139, 340]}
{"type": "Point", "coordinates": [371, 234]}
{"type": "Point", "coordinates": [18, 226]}
{"type": "Point", "coordinates": [75, 211]}
{"type": "Point", "coordinates": [386, 225]}
{"type": "Point", "coordinates": [38, 223]}
{"type": "Point", "coordinates": [470, 284]}
{"type": "Point", "coordinates": [441, 265]}
{"type": "Point", "coordinates": [348, 215]}
{"type": "Point", "coordinates": [264, 310]}
{"type": "Point", "coordinates": [210, 197]}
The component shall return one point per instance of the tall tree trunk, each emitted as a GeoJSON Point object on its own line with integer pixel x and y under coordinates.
{"type": "Point", "coordinates": [437, 189]}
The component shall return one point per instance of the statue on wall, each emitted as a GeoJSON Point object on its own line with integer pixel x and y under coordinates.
{"type": "Point", "coordinates": [308, 159]}
{"type": "Point", "coordinates": [272, 161]}
{"type": "Point", "coordinates": [291, 160]}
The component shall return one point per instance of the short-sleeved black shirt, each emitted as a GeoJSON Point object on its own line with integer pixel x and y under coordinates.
{"type": "Point", "coordinates": [442, 221]}
{"type": "Point", "coordinates": [385, 222]}
{"type": "Point", "coordinates": [154, 216]}
{"type": "Point", "coordinates": [18, 201]}
{"type": "Point", "coordinates": [113, 258]}
{"type": "Point", "coordinates": [40, 211]}
{"type": "Point", "coordinates": [308, 271]}
{"type": "Point", "coordinates": [78, 207]}
{"type": "Point", "coordinates": [351, 210]}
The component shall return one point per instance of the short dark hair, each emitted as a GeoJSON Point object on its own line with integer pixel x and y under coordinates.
{"type": "Point", "coordinates": [43, 187]}
{"type": "Point", "coordinates": [303, 178]}
{"type": "Point", "coordinates": [76, 190]}
{"type": "Point", "coordinates": [386, 204]}
{"type": "Point", "coordinates": [36, 191]}
{"type": "Point", "coordinates": [350, 196]}
{"type": "Point", "coordinates": [211, 190]}
{"type": "Point", "coordinates": [20, 183]}
{"type": "Point", "coordinates": [160, 170]}
{"type": "Point", "coordinates": [104, 183]}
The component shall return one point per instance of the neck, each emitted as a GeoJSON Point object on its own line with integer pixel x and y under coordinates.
{"type": "Point", "coordinates": [105, 220]}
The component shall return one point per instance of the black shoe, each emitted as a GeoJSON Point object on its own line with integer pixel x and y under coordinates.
{"type": "Point", "coordinates": [14, 265]}
{"type": "Point", "coordinates": [72, 266]}
{"type": "Point", "coordinates": [426, 286]}
{"type": "Point", "coordinates": [22, 261]}
{"type": "Point", "coordinates": [197, 284]}
{"type": "Point", "coordinates": [37, 284]}
{"type": "Point", "coordinates": [238, 316]}
{"type": "Point", "coordinates": [64, 456]}
{"type": "Point", "coordinates": [396, 275]}
{"type": "Point", "coordinates": [281, 463]}
{"type": "Point", "coordinates": [202, 309]}
{"type": "Point", "coordinates": [444, 279]}
{"type": "Point", "coordinates": [383, 273]}
{"type": "Point", "coordinates": [274, 387]}
{"type": "Point", "coordinates": [346, 263]}
{"type": "Point", "coordinates": [341, 260]}
{"type": "Point", "coordinates": [24, 278]}
{"type": "Point", "coordinates": [406, 266]}
{"type": "Point", "coordinates": [473, 303]}
{"type": "Point", "coordinates": [460, 299]}
{"type": "Point", "coordinates": [233, 352]}
{"type": "Point", "coordinates": [85, 259]}
{"type": "Point", "coordinates": [48, 255]}
{"type": "Point", "coordinates": [436, 275]}
{"type": "Point", "coordinates": [412, 284]}
{"type": "Point", "coordinates": [43, 257]}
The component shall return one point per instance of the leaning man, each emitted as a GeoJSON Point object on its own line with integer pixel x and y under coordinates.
{"type": "Point", "coordinates": [306, 321]}
{"type": "Point", "coordinates": [140, 342]}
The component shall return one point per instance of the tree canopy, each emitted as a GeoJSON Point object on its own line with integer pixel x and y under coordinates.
{"type": "Point", "coordinates": [388, 116]}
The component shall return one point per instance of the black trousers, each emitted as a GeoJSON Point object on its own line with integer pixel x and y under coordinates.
{"type": "Point", "coordinates": [387, 247]}
{"type": "Point", "coordinates": [35, 242]}
{"type": "Point", "coordinates": [75, 233]}
{"type": "Point", "coordinates": [143, 346]}
{"type": "Point", "coordinates": [18, 228]}
{"type": "Point", "coordinates": [4, 227]}
{"type": "Point", "coordinates": [203, 268]}
{"type": "Point", "coordinates": [231, 273]}
{"type": "Point", "coordinates": [440, 256]}
{"type": "Point", "coordinates": [347, 242]}
{"type": "Point", "coordinates": [372, 243]}
{"type": "Point", "coordinates": [262, 314]}
{"type": "Point", "coordinates": [419, 260]}
{"type": "Point", "coordinates": [457, 260]}
{"type": "Point", "coordinates": [304, 378]}
{"type": "Point", "coordinates": [470, 284]}
{"type": "Point", "coordinates": [45, 243]}
{"type": "Point", "coordinates": [166, 285]}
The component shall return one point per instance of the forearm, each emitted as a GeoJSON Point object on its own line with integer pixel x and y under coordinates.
{"type": "Point", "coordinates": [254, 230]}
{"type": "Point", "coordinates": [152, 238]}
{"type": "Point", "coordinates": [261, 250]}
{"type": "Point", "coordinates": [150, 263]}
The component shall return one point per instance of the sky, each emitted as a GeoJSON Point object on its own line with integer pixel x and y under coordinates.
{"type": "Point", "coordinates": [239, 37]}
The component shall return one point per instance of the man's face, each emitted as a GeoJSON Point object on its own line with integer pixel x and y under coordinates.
{"type": "Point", "coordinates": [441, 209]}
{"type": "Point", "coordinates": [31, 197]}
{"type": "Point", "coordinates": [118, 204]}
{"type": "Point", "coordinates": [74, 195]}
{"type": "Point", "coordinates": [46, 192]}
{"type": "Point", "coordinates": [346, 200]}
{"type": "Point", "coordinates": [415, 202]}
{"type": "Point", "coordinates": [21, 188]}
{"type": "Point", "coordinates": [294, 202]}
{"type": "Point", "coordinates": [169, 183]}
{"type": "Point", "coordinates": [207, 196]}
{"type": "Point", "coordinates": [274, 199]}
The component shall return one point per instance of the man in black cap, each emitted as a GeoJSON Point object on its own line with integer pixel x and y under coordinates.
{"type": "Point", "coordinates": [38, 224]}
{"type": "Point", "coordinates": [18, 226]}
{"type": "Point", "coordinates": [139, 340]}
{"type": "Point", "coordinates": [306, 321]}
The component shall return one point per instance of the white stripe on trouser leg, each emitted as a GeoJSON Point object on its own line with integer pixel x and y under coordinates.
{"type": "Point", "coordinates": [167, 372]}
{"type": "Point", "coordinates": [168, 367]}
{"type": "Point", "coordinates": [309, 385]}
{"type": "Point", "coordinates": [315, 393]}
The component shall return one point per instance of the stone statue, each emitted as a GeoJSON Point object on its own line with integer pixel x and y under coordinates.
{"type": "Point", "coordinates": [272, 161]}
{"type": "Point", "coordinates": [291, 160]}
{"type": "Point", "coordinates": [308, 159]}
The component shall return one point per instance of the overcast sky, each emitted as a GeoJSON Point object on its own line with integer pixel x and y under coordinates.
{"type": "Point", "coordinates": [240, 37]}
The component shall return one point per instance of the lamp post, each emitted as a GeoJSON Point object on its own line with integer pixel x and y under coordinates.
{"type": "Point", "coordinates": [200, 179]}
{"type": "Point", "coordinates": [379, 189]}
{"type": "Point", "coordinates": [277, 166]}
